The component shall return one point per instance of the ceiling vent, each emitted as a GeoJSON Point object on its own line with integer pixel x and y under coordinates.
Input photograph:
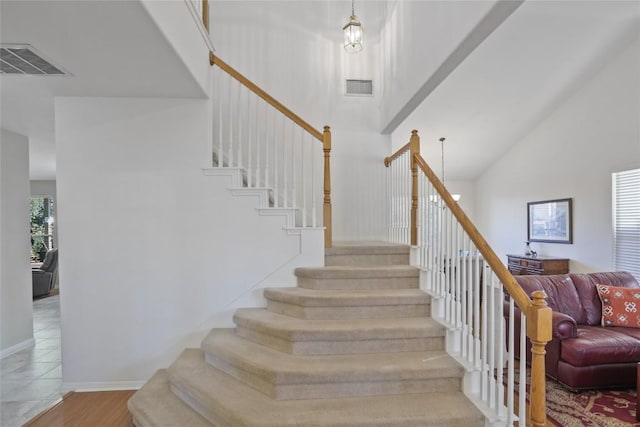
{"type": "Point", "coordinates": [24, 59]}
{"type": "Point", "coordinates": [359, 87]}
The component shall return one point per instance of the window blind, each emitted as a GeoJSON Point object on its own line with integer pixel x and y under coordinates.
{"type": "Point", "coordinates": [626, 221]}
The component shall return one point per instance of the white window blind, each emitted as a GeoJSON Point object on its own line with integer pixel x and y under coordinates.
{"type": "Point", "coordinates": [626, 221]}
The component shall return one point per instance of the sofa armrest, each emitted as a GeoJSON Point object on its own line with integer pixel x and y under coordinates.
{"type": "Point", "coordinates": [562, 325]}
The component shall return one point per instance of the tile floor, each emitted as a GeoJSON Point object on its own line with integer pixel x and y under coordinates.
{"type": "Point", "coordinates": [30, 380]}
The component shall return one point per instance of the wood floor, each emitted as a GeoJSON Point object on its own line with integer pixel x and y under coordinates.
{"type": "Point", "coordinates": [94, 409]}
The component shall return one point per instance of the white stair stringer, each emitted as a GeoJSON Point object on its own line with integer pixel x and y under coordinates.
{"type": "Point", "coordinates": [288, 213]}
{"type": "Point", "coordinates": [264, 195]}
{"type": "Point", "coordinates": [265, 199]}
{"type": "Point", "coordinates": [233, 175]}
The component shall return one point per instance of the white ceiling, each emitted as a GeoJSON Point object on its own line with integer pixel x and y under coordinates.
{"type": "Point", "coordinates": [111, 48]}
{"type": "Point", "coordinates": [518, 75]}
{"type": "Point", "coordinates": [542, 52]}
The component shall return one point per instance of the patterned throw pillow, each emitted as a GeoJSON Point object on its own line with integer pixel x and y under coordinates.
{"type": "Point", "coordinates": [620, 306]}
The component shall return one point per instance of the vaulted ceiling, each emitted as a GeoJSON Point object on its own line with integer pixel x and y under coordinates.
{"type": "Point", "coordinates": [516, 76]}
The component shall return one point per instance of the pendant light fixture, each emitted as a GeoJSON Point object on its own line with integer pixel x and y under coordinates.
{"type": "Point", "coordinates": [353, 33]}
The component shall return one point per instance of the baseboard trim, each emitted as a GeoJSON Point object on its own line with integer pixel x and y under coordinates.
{"type": "Point", "coordinates": [102, 386]}
{"type": "Point", "coordinates": [18, 347]}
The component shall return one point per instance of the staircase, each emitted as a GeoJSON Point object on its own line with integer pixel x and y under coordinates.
{"type": "Point", "coordinates": [352, 345]}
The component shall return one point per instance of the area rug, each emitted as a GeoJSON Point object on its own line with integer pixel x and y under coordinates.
{"type": "Point", "coordinates": [595, 408]}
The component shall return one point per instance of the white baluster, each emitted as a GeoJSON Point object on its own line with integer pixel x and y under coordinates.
{"type": "Point", "coordinates": [258, 141]}
{"type": "Point", "coordinates": [511, 363]}
{"type": "Point", "coordinates": [276, 188]}
{"type": "Point", "coordinates": [463, 257]}
{"type": "Point", "coordinates": [250, 169]}
{"type": "Point", "coordinates": [522, 387]}
{"type": "Point", "coordinates": [220, 137]}
{"type": "Point", "coordinates": [478, 284]}
{"type": "Point", "coordinates": [389, 184]}
{"type": "Point", "coordinates": [314, 215]}
{"type": "Point", "coordinates": [230, 109]}
{"type": "Point", "coordinates": [294, 175]}
{"type": "Point", "coordinates": [423, 222]}
{"type": "Point", "coordinates": [266, 146]}
{"type": "Point", "coordinates": [304, 181]}
{"type": "Point", "coordinates": [500, 348]}
{"type": "Point", "coordinates": [240, 159]}
{"type": "Point", "coordinates": [492, 340]}
{"type": "Point", "coordinates": [284, 166]}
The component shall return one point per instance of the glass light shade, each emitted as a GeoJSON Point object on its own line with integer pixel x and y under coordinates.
{"type": "Point", "coordinates": [353, 35]}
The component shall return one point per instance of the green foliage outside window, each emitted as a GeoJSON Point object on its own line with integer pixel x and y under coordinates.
{"type": "Point", "coordinates": [39, 209]}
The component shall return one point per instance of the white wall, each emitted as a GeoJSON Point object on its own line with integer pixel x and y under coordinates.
{"type": "Point", "coordinates": [271, 43]}
{"type": "Point", "coordinates": [175, 20]}
{"type": "Point", "coordinates": [43, 188]}
{"type": "Point", "coordinates": [418, 36]}
{"type": "Point", "coordinates": [16, 318]}
{"type": "Point", "coordinates": [571, 153]}
{"type": "Point", "coordinates": [153, 253]}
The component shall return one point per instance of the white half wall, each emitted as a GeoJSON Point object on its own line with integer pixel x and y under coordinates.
{"type": "Point", "coordinates": [571, 153]}
{"type": "Point", "coordinates": [16, 318]}
{"type": "Point", "coordinates": [153, 253]}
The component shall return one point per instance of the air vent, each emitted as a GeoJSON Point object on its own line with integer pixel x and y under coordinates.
{"type": "Point", "coordinates": [24, 59]}
{"type": "Point", "coordinates": [359, 87]}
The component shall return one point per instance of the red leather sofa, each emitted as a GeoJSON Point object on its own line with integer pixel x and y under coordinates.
{"type": "Point", "coordinates": [583, 354]}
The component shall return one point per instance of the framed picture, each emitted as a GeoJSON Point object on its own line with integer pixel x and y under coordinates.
{"type": "Point", "coordinates": [549, 221]}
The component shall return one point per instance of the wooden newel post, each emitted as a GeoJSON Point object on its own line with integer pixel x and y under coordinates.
{"type": "Point", "coordinates": [326, 207]}
{"type": "Point", "coordinates": [539, 331]}
{"type": "Point", "coordinates": [414, 149]}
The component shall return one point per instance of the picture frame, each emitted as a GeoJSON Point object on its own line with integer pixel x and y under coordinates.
{"type": "Point", "coordinates": [550, 221]}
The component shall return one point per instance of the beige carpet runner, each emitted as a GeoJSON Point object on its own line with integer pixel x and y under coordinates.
{"type": "Point", "coordinates": [352, 345]}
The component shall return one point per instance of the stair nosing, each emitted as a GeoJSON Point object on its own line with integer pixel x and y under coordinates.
{"type": "Point", "coordinates": [282, 368]}
{"type": "Point", "coordinates": [316, 330]}
{"type": "Point", "coordinates": [346, 298]}
{"type": "Point", "coordinates": [304, 413]}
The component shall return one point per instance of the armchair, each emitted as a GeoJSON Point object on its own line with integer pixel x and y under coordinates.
{"type": "Point", "coordinates": [42, 278]}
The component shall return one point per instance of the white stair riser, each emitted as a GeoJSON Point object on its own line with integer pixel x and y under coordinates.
{"type": "Point", "coordinates": [366, 260]}
{"type": "Point", "coordinates": [359, 283]}
{"type": "Point", "coordinates": [328, 347]}
{"type": "Point", "coordinates": [349, 312]}
{"type": "Point", "coordinates": [326, 390]}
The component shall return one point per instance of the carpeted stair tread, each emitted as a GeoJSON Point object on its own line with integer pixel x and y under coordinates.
{"type": "Point", "coordinates": [280, 368]}
{"type": "Point", "coordinates": [225, 401]}
{"type": "Point", "coordinates": [318, 298]}
{"type": "Point", "coordinates": [337, 330]}
{"type": "Point", "coordinates": [154, 405]}
{"type": "Point", "coordinates": [357, 272]}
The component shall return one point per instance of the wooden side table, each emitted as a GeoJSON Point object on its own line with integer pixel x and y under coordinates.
{"type": "Point", "coordinates": [522, 264]}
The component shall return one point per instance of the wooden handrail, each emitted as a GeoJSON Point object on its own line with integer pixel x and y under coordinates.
{"type": "Point", "coordinates": [400, 152]}
{"type": "Point", "coordinates": [519, 295]}
{"type": "Point", "coordinates": [205, 14]}
{"type": "Point", "coordinates": [214, 60]}
{"type": "Point", "coordinates": [538, 313]}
